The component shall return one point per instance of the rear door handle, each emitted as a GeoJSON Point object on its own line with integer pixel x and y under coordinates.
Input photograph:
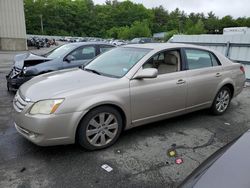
{"type": "Point", "coordinates": [218, 74]}
{"type": "Point", "coordinates": [181, 81]}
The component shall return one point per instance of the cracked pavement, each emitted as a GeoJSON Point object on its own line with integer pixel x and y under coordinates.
{"type": "Point", "coordinates": [138, 159]}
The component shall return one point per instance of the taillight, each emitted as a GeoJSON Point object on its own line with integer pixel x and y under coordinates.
{"type": "Point", "coordinates": [242, 69]}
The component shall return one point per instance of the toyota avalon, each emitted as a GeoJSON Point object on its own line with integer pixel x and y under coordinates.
{"type": "Point", "coordinates": [123, 88]}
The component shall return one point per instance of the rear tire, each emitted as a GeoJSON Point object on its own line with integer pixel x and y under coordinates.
{"type": "Point", "coordinates": [100, 128]}
{"type": "Point", "coordinates": [221, 101]}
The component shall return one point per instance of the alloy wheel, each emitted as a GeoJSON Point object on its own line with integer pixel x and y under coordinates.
{"type": "Point", "coordinates": [102, 129]}
{"type": "Point", "coordinates": [222, 100]}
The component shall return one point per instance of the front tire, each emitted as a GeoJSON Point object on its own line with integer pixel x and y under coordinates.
{"type": "Point", "coordinates": [100, 128]}
{"type": "Point", "coordinates": [221, 101]}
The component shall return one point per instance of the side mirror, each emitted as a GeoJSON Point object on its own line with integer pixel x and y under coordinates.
{"type": "Point", "coordinates": [146, 73]}
{"type": "Point", "coordinates": [69, 58]}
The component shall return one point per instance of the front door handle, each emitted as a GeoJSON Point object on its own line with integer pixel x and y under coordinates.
{"type": "Point", "coordinates": [181, 81]}
{"type": "Point", "coordinates": [218, 74]}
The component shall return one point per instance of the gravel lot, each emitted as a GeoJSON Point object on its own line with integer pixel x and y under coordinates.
{"type": "Point", "coordinates": [138, 159]}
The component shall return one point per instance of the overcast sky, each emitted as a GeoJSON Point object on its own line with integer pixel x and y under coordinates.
{"type": "Point", "coordinates": [236, 8]}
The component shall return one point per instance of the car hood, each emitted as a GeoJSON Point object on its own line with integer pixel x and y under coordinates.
{"type": "Point", "coordinates": [32, 58]}
{"type": "Point", "coordinates": [55, 84]}
{"type": "Point", "coordinates": [231, 169]}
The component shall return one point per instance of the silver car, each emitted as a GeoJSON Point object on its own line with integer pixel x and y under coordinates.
{"type": "Point", "coordinates": [124, 88]}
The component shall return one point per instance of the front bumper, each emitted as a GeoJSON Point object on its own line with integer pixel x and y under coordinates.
{"type": "Point", "coordinates": [14, 83]}
{"type": "Point", "coordinates": [46, 130]}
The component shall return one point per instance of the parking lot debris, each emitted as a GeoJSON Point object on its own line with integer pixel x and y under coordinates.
{"type": "Point", "coordinates": [23, 169]}
{"type": "Point", "coordinates": [172, 152]}
{"type": "Point", "coordinates": [227, 123]}
{"type": "Point", "coordinates": [178, 160]}
{"type": "Point", "coordinates": [107, 167]}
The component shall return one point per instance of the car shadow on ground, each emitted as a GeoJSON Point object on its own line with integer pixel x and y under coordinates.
{"type": "Point", "coordinates": [144, 131]}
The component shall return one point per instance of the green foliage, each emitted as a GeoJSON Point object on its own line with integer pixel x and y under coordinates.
{"type": "Point", "coordinates": [169, 34]}
{"type": "Point", "coordinates": [124, 33]}
{"type": "Point", "coordinates": [117, 19]}
{"type": "Point", "coordinates": [137, 29]}
{"type": "Point", "coordinates": [195, 28]}
{"type": "Point", "coordinates": [140, 29]}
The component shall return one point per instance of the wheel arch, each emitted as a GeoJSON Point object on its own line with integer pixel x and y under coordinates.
{"type": "Point", "coordinates": [117, 107]}
{"type": "Point", "coordinates": [231, 88]}
{"type": "Point", "coordinates": [228, 83]}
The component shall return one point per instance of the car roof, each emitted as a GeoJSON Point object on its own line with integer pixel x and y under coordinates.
{"type": "Point", "coordinates": [87, 43]}
{"type": "Point", "coordinates": [162, 46]}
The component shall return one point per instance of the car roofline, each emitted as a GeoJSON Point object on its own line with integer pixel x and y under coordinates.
{"type": "Point", "coordinates": [162, 46]}
{"type": "Point", "coordinates": [88, 43]}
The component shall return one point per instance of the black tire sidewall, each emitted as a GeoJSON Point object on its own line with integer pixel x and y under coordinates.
{"type": "Point", "coordinates": [81, 131]}
{"type": "Point", "coordinates": [213, 108]}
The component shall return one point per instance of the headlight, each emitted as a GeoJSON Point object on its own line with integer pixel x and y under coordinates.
{"type": "Point", "coordinates": [24, 70]}
{"type": "Point", "coordinates": [46, 106]}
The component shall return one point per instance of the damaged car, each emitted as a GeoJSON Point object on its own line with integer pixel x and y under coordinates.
{"type": "Point", "coordinates": [28, 65]}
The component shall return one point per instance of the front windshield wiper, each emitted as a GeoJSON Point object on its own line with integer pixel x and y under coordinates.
{"type": "Point", "coordinates": [92, 70]}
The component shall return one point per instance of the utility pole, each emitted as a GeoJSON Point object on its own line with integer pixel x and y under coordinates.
{"type": "Point", "coordinates": [180, 24]}
{"type": "Point", "coordinates": [41, 17]}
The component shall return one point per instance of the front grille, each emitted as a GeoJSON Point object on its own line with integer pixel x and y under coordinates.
{"type": "Point", "coordinates": [19, 102]}
{"type": "Point", "coordinates": [15, 72]}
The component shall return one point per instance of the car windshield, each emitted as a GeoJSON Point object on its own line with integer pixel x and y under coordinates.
{"type": "Point", "coordinates": [60, 51]}
{"type": "Point", "coordinates": [136, 40]}
{"type": "Point", "coordinates": [117, 62]}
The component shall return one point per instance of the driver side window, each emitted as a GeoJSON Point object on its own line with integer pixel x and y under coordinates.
{"type": "Point", "coordinates": [84, 53]}
{"type": "Point", "coordinates": [165, 62]}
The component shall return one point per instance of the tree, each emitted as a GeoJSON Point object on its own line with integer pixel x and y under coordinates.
{"type": "Point", "coordinates": [137, 29]}
{"type": "Point", "coordinates": [124, 33]}
{"type": "Point", "coordinates": [160, 20]}
{"type": "Point", "coordinates": [169, 34]}
{"type": "Point", "coordinates": [212, 23]}
{"type": "Point", "coordinates": [140, 29]}
{"type": "Point", "coordinates": [118, 19]}
{"type": "Point", "coordinates": [197, 28]}
{"type": "Point", "coordinates": [227, 21]}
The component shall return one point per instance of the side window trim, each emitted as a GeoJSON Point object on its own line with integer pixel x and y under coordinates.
{"type": "Point", "coordinates": [215, 57]}
{"type": "Point", "coordinates": [209, 52]}
{"type": "Point", "coordinates": [184, 64]}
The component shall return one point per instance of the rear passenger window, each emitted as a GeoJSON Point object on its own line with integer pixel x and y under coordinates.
{"type": "Point", "coordinates": [84, 53]}
{"type": "Point", "coordinates": [198, 59]}
{"type": "Point", "coordinates": [88, 52]}
{"type": "Point", "coordinates": [105, 48]}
